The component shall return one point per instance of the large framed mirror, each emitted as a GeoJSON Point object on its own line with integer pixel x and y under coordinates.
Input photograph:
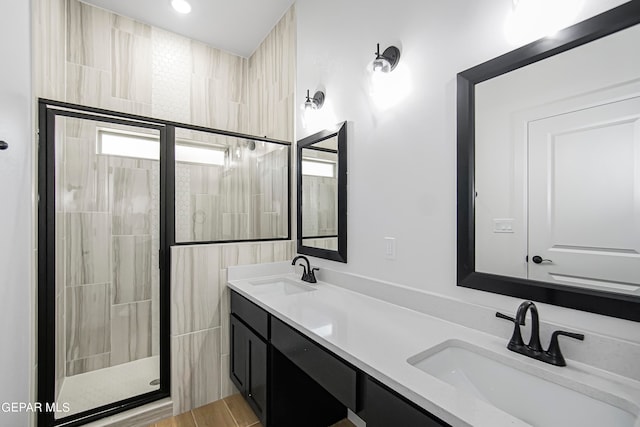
{"type": "Point", "coordinates": [549, 169]}
{"type": "Point", "coordinates": [322, 194]}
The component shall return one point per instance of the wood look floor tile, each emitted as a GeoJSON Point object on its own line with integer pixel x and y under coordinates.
{"type": "Point", "coordinates": [182, 420]}
{"type": "Point", "coordinates": [214, 414]}
{"type": "Point", "coordinates": [241, 411]}
{"type": "Point", "coordinates": [344, 423]}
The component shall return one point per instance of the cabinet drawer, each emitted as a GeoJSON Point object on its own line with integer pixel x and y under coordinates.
{"type": "Point", "coordinates": [337, 377]}
{"type": "Point", "coordinates": [251, 314]}
{"type": "Point", "coordinates": [385, 408]}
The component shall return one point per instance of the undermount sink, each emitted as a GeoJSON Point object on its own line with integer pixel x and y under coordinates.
{"type": "Point", "coordinates": [524, 395]}
{"type": "Point", "coordinates": [280, 286]}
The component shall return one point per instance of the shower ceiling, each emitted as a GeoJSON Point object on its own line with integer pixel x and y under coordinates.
{"type": "Point", "coordinates": [237, 26]}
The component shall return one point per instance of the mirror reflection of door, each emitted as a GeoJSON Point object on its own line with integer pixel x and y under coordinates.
{"type": "Point", "coordinates": [320, 194]}
{"type": "Point", "coordinates": [557, 168]}
{"type": "Point", "coordinates": [584, 197]}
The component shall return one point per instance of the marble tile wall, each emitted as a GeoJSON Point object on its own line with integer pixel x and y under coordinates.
{"type": "Point", "coordinates": [90, 56]}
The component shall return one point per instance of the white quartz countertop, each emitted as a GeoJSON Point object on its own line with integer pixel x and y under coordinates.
{"type": "Point", "coordinates": [378, 337]}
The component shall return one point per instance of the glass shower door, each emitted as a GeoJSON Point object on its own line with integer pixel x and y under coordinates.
{"type": "Point", "coordinates": [107, 277]}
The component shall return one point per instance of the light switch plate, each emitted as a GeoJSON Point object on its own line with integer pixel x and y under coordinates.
{"type": "Point", "coordinates": [390, 247]}
{"type": "Point", "coordinates": [503, 225]}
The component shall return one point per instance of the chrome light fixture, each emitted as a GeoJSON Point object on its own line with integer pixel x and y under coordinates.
{"type": "Point", "coordinates": [386, 62]}
{"type": "Point", "coordinates": [314, 103]}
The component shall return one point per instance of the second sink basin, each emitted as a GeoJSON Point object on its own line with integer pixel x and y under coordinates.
{"type": "Point", "coordinates": [280, 286]}
{"type": "Point", "coordinates": [528, 397]}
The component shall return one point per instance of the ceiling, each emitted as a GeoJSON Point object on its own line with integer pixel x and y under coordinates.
{"type": "Point", "coordinates": [237, 26]}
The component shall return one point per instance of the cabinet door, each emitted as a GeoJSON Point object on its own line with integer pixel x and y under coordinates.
{"type": "Point", "coordinates": [256, 380]}
{"type": "Point", "coordinates": [238, 365]}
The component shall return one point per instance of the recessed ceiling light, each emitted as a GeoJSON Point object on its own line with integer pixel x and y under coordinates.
{"type": "Point", "coordinates": [181, 6]}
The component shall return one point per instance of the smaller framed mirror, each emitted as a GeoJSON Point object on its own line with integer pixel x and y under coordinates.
{"type": "Point", "coordinates": [322, 194]}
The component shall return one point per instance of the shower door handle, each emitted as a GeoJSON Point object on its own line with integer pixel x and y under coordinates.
{"type": "Point", "coordinates": [3, 145]}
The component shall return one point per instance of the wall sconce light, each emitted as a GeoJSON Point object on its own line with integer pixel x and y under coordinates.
{"type": "Point", "coordinates": [386, 62]}
{"type": "Point", "coordinates": [181, 6]}
{"type": "Point", "coordinates": [314, 103]}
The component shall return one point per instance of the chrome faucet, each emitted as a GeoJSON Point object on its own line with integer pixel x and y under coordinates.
{"type": "Point", "coordinates": [308, 273]}
{"type": "Point", "coordinates": [553, 355]}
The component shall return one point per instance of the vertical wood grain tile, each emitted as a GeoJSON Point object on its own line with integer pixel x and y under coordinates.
{"type": "Point", "coordinates": [227, 388]}
{"type": "Point", "coordinates": [195, 376]}
{"type": "Point", "coordinates": [87, 321]}
{"type": "Point", "coordinates": [130, 332]}
{"type": "Point", "coordinates": [87, 86]}
{"type": "Point", "coordinates": [85, 176]}
{"type": "Point", "coordinates": [225, 311]}
{"type": "Point", "coordinates": [131, 26]}
{"type": "Point", "coordinates": [88, 37]}
{"type": "Point", "coordinates": [131, 269]}
{"type": "Point", "coordinates": [49, 48]}
{"type": "Point", "coordinates": [87, 248]}
{"type": "Point", "coordinates": [131, 198]}
{"type": "Point", "coordinates": [271, 75]}
{"type": "Point", "coordinates": [131, 67]}
{"type": "Point", "coordinates": [195, 294]}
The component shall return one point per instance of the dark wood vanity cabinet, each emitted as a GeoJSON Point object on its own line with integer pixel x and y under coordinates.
{"type": "Point", "coordinates": [385, 408]}
{"type": "Point", "coordinates": [334, 375]}
{"type": "Point", "coordinates": [289, 380]}
{"type": "Point", "coordinates": [249, 362]}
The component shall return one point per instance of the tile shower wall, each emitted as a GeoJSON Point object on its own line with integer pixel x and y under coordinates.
{"type": "Point", "coordinates": [200, 317]}
{"type": "Point", "coordinates": [90, 56]}
{"type": "Point", "coordinates": [106, 261]}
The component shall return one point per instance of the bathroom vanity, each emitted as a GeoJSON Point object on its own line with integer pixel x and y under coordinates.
{"type": "Point", "coordinates": [304, 353]}
{"type": "Point", "coordinates": [286, 377]}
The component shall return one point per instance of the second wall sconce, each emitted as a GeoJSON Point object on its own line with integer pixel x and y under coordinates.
{"type": "Point", "coordinates": [386, 62]}
{"type": "Point", "coordinates": [314, 103]}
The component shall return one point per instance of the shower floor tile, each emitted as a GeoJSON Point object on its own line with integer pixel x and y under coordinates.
{"type": "Point", "coordinates": [103, 386]}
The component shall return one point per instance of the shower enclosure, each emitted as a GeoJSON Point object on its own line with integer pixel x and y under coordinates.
{"type": "Point", "coordinates": [115, 192]}
{"type": "Point", "coordinates": [100, 272]}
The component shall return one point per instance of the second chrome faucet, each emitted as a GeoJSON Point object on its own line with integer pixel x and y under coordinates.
{"type": "Point", "coordinates": [552, 355]}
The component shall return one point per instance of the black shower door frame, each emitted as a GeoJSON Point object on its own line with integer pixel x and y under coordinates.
{"type": "Point", "coordinates": [48, 111]}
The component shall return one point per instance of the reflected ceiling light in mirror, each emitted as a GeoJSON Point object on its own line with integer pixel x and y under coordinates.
{"type": "Point", "coordinates": [387, 61]}
{"type": "Point", "coordinates": [181, 6]}
{"type": "Point", "coordinates": [314, 103]}
{"type": "Point", "coordinates": [530, 20]}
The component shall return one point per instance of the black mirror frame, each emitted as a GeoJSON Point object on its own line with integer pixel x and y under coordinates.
{"type": "Point", "coordinates": [594, 301]}
{"type": "Point", "coordinates": [341, 254]}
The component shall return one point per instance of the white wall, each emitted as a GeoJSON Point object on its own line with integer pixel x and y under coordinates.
{"type": "Point", "coordinates": [16, 248]}
{"type": "Point", "coordinates": [402, 160]}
